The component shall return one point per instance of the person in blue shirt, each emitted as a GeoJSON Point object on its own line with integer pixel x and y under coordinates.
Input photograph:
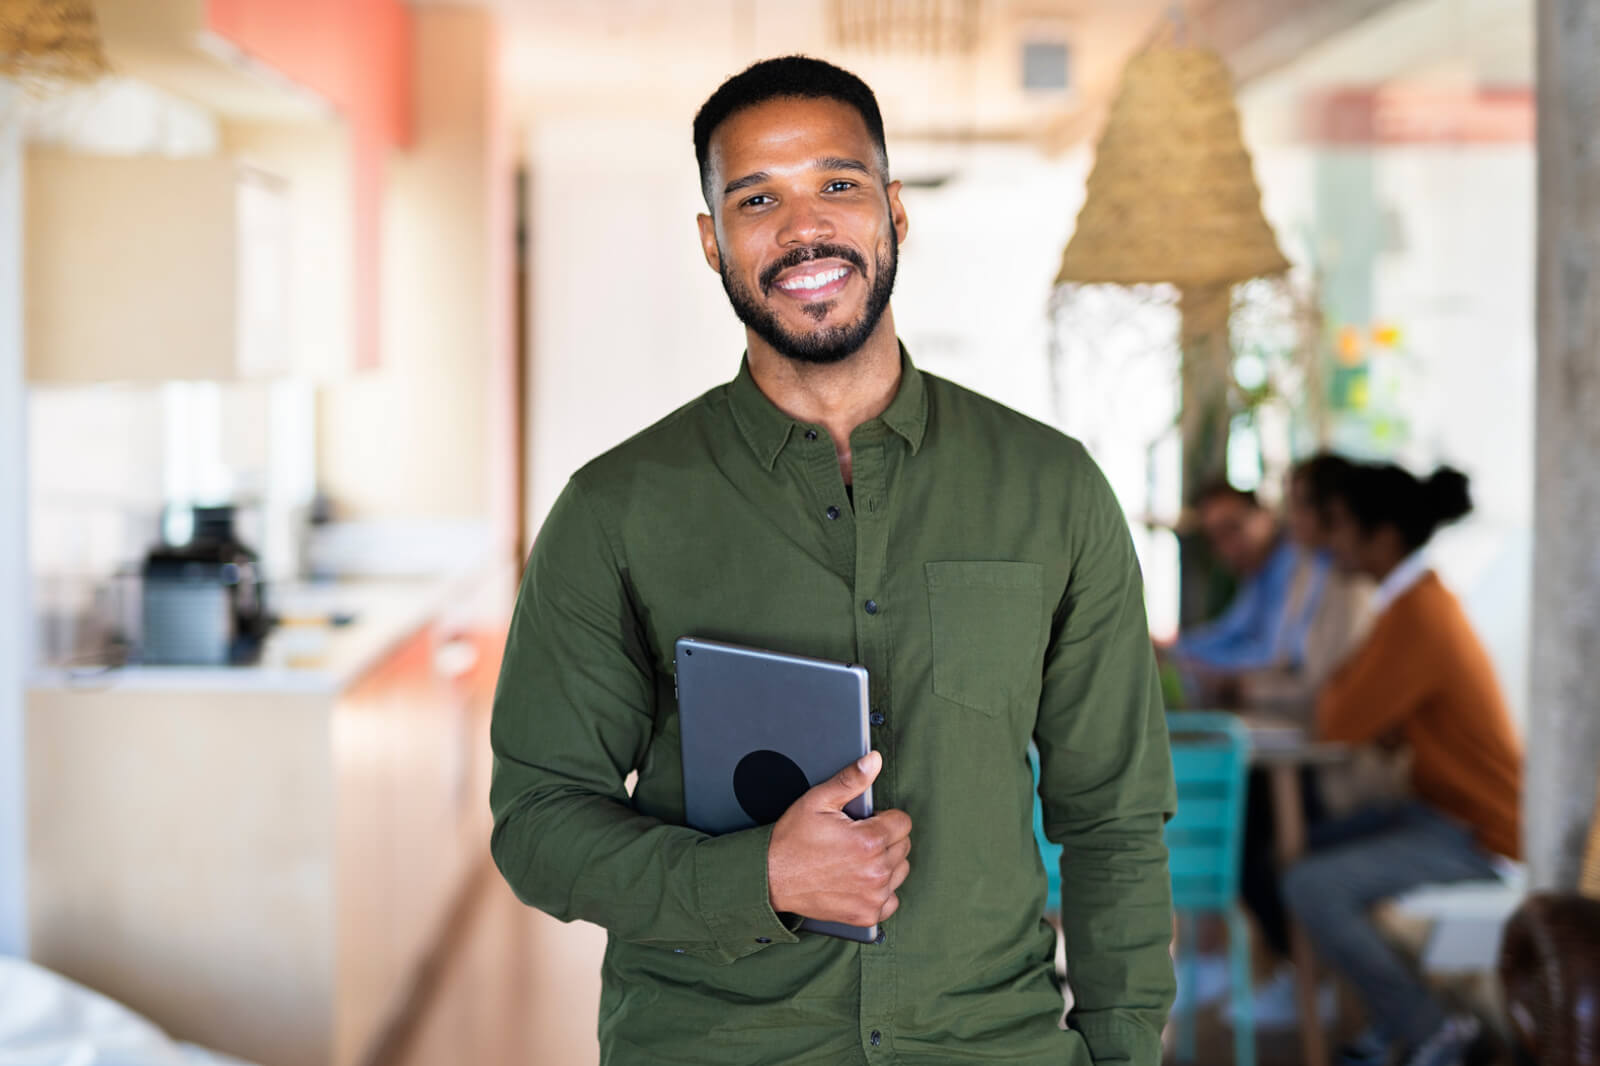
{"type": "Point", "coordinates": [1266, 624]}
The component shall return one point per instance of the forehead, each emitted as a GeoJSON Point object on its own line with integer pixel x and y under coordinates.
{"type": "Point", "coordinates": [789, 131]}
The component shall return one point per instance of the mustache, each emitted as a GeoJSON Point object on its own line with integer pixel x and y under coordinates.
{"type": "Point", "coordinates": [794, 258]}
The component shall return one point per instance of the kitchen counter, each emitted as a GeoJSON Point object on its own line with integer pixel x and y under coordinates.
{"type": "Point", "coordinates": [308, 654]}
{"type": "Point", "coordinates": [261, 859]}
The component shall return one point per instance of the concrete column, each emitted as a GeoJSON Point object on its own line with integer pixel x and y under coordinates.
{"type": "Point", "coordinates": [1564, 719]}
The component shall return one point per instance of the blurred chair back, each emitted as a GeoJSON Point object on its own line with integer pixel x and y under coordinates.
{"type": "Point", "coordinates": [1550, 969]}
{"type": "Point", "coordinates": [1210, 755]}
{"type": "Point", "coordinates": [1049, 854]}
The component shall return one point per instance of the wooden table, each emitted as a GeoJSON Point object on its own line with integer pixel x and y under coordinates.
{"type": "Point", "coordinates": [1281, 748]}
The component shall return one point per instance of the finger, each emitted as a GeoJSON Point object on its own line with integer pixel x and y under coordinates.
{"type": "Point", "coordinates": [890, 905]}
{"type": "Point", "coordinates": [897, 852]}
{"type": "Point", "coordinates": [899, 876]}
{"type": "Point", "coordinates": [891, 827]}
{"type": "Point", "coordinates": [847, 784]}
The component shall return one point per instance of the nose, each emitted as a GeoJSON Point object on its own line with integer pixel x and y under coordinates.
{"type": "Point", "coordinates": [806, 222]}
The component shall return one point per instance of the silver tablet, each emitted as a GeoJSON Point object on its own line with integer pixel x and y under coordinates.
{"type": "Point", "coordinates": [760, 728]}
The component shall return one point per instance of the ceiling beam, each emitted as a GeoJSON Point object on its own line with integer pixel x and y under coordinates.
{"type": "Point", "coordinates": [1257, 37]}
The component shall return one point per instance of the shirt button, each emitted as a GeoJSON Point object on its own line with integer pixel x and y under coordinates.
{"type": "Point", "coordinates": [882, 936]}
{"type": "Point", "coordinates": [876, 1038]}
{"type": "Point", "coordinates": [763, 940]}
{"type": "Point", "coordinates": [871, 606]}
{"type": "Point", "coordinates": [811, 434]}
{"type": "Point", "coordinates": [832, 512]}
{"type": "Point", "coordinates": [876, 718]}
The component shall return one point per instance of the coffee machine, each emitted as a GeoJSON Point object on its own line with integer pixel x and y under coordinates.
{"type": "Point", "coordinates": [204, 603]}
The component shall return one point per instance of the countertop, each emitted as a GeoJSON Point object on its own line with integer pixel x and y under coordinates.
{"type": "Point", "coordinates": [308, 655]}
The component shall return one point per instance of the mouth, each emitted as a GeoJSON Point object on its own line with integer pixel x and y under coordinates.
{"type": "Point", "coordinates": [815, 281]}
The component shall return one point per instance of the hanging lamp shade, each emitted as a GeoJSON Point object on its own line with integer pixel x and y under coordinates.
{"type": "Point", "coordinates": [1172, 197]}
{"type": "Point", "coordinates": [50, 40]}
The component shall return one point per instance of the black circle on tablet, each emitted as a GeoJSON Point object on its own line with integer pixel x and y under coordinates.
{"type": "Point", "coordinates": [766, 783]}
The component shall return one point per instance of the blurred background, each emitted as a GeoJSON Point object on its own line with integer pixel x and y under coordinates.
{"type": "Point", "coordinates": [308, 308]}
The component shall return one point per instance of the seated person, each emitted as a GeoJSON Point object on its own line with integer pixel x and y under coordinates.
{"type": "Point", "coordinates": [1421, 675]}
{"type": "Point", "coordinates": [1338, 606]}
{"type": "Point", "coordinates": [1254, 632]}
{"type": "Point", "coordinates": [1335, 604]}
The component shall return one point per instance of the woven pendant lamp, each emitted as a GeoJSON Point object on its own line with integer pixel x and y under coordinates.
{"type": "Point", "coordinates": [1172, 200]}
{"type": "Point", "coordinates": [1172, 197]}
{"type": "Point", "coordinates": [44, 41]}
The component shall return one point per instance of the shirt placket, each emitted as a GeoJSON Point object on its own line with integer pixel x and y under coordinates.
{"type": "Point", "coordinates": [874, 614]}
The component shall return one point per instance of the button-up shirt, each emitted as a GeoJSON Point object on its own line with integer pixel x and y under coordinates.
{"type": "Point", "coordinates": [981, 569]}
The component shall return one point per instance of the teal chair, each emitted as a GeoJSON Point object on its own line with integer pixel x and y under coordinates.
{"type": "Point", "coordinates": [1210, 755]}
{"type": "Point", "coordinates": [1049, 853]}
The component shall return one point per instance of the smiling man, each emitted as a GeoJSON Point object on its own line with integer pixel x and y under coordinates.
{"type": "Point", "coordinates": [834, 501]}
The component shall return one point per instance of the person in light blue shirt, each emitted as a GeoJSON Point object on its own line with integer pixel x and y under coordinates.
{"type": "Point", "coordinates": [1266, 624]}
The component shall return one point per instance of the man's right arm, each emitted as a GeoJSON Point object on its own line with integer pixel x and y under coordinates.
{"type": "Point", "coordinates": [573, 715]}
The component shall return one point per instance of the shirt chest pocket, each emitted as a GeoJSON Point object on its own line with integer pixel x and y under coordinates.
{"type": "Point", "coordinates": [988, 624]}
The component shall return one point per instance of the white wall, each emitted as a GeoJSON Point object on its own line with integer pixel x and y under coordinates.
{"type": "Point", "coordinates": [15, 617]}
{"type": "Point", "coordinates": [628, 321]}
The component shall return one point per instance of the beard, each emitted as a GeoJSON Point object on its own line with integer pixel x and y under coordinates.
{"type": "Point", "coordinates": [829, 344]}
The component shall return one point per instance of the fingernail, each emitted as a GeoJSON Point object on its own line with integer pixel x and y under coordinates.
{"type": "Point", "coordinates": [864, 764]}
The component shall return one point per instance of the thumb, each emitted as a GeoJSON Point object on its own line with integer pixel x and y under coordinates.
{"type": "Point", "coordinates": [848, 783]}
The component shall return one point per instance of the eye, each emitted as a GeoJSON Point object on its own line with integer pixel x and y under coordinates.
{"type": "Point", "coordinates": [838, 185]}
{"type": "Point", "coordinates": [760, 199]}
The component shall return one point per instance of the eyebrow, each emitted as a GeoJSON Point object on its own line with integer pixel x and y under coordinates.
{"type": "Point", "coordinates": [832, 162]}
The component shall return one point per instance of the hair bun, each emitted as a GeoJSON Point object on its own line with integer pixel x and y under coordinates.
{"type": "Point", "coordinates": [1449, 493]}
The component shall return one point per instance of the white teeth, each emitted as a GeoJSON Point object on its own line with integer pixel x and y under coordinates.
{"type": "Point", "coordinates": [816, 281]}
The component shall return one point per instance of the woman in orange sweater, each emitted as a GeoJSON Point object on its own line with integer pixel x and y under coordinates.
{"type": "Point", "coordinates": [1423, 678]}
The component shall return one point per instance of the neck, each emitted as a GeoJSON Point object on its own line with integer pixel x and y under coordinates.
{"type": "Point", "coordinates": [838, 396]}
{"type": "Point", "coordinates": [1387, 566]}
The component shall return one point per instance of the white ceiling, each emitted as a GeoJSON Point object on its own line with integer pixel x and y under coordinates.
{"type": "Point", "coordinates": [661, 58]}
{"type": "Point", "coordinates": [666, 56]}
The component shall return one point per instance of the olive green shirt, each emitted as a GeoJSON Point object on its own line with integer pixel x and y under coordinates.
{"type": "Point", "coordinates": [983, 572]}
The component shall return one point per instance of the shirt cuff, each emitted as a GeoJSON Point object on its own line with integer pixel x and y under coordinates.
{"type": "Point", "coordinates": [1114, 1037]}
{"type": "Point", "coordinates": [731, 878]}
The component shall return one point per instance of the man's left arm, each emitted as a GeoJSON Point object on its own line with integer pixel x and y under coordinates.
{"type": "Point", "coordinates": [1106, 785]}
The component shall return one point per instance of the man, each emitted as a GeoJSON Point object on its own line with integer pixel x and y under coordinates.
{"type": "Point", "coordinates": [1261, 629]}
{"type": "Point", "coordinates": [1261, 637]}
{"type": "Point", "coordinates": [834, 501]}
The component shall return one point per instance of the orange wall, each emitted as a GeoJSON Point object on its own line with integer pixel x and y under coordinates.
{"type": "Point", "coordinates": [357, 54]}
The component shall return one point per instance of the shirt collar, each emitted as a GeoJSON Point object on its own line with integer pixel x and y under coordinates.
{"type": "Point", "coordinates": [1412, 569]}
{"type": "Point", "coordinates": [768, 429]}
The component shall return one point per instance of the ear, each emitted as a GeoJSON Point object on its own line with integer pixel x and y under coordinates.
{"type": "Point", "coordinates": [708, 241]}
{"type": "Point", "coordinates": [897, 212]}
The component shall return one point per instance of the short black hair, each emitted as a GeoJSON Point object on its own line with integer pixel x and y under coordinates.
{"type": "Point", "coordinates": [1223, 489]}
{"type": "Point", "coordinates": [786, 77]}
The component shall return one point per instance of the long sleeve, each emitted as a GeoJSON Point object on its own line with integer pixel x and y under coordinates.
{"type": "Point", "coordinates": [1255, 631]}
{"type": "Point", "coordinates": [1237, 638]}
{"type": "Point", "coordinates": [1382, 684]}
{"type": "Point", "coordinates": [573, 716]}
{"type": "Point", "coordinates": [1107, 790]}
